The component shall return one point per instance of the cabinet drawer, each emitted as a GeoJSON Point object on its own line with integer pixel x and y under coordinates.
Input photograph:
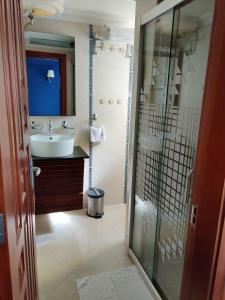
{"type": "Point", "coordinates": [59, 187]}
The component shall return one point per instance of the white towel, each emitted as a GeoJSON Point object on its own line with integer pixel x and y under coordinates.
{"type": "Point", "coordinates": [97, 135]}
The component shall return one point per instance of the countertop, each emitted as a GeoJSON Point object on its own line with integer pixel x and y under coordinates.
{"type": "Point", "coordinates": [78, 153]}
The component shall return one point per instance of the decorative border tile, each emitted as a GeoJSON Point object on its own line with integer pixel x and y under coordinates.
{"type": "Point", "coordinates": [91, 47]}
{"type": "Point", "coordinates": [128, 124]}
{"type": "Point", "coordinates": [91, 51]}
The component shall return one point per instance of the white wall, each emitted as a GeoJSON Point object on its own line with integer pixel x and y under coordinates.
{"type": "Point", "coordinates": [110, 82]}
{"type": "Point", "coordinates": [80, 121]}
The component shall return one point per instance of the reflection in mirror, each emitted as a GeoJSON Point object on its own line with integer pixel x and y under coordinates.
{"type": "Point", "coordinates": [50, 60]}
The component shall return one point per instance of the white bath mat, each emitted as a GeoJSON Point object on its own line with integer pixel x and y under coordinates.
{"type": "Point", "coordinates": [122, 284]}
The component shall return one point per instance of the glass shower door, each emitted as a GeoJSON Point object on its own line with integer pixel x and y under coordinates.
{"type": "Point", "coordinates": [188, 63]}
{"type": "Point", "coordinates": [151, 119]}
{"type": "Point", "coordinates": [175, 55]}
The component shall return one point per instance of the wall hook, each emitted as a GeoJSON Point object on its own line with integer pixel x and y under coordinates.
{"type": "Point", "coordinates": [95, 117]}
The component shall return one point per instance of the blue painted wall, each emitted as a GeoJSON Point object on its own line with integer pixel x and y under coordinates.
{"type": "Point", "coordinates": [44, 96]}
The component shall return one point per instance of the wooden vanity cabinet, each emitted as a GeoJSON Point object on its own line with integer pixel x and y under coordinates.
{"type": "Point", "coordinates": [59, 187]}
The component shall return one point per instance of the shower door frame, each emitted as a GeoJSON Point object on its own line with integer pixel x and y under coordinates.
{"type": "Point", "coordinates": [209, 111]}
{"type": "Point", "coordinates": [151, 15]}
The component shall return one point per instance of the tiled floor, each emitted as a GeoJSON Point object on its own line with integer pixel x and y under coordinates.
{"type": "Point", "coordinates": [71, 245]}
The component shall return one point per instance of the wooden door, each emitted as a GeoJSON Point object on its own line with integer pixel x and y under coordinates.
{"type": "Point", "coordinates": [17, 253]}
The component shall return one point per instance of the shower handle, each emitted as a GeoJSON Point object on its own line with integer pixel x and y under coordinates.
{"type": "Point", "coordinates": [188, 185]}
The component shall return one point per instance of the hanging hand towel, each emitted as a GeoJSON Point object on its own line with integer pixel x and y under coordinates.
{"type": "Point", "coordinates": [97, 135]}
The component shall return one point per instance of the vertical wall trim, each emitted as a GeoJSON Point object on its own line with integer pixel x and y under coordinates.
{"type": "Point", "coordinates": [91, 46]}
{"type": "Point", "coordinates": [128, 124]}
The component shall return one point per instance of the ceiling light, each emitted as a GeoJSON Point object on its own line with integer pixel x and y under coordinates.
{"type": "Point", "coordinates": [44, 8]}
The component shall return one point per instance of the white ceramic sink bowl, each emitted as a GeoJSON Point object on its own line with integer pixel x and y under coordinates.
{"type": "Point", "coordinates": [55, 146]}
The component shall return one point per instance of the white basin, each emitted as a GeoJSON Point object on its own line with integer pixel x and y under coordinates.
{"type": "Point", "coordinates": [55, 146]}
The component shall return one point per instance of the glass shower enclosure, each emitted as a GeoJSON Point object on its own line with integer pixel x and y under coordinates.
{"type": "Point", "coordinates": [174, 54]}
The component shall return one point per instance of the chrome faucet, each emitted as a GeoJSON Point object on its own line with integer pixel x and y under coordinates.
{"type": "Point", "coordinates": [35, 125]}
{"type": "Point", "coordinates": [50, 128]}
{"type": "Point", "coordinates": [65, 125]}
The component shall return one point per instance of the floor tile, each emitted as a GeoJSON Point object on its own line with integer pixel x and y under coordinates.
{"type": "Point", "coordinates": [71, 245]}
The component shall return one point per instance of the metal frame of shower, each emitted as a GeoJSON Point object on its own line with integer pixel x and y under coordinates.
{"type": "Point", "coordinates": [151, 15]}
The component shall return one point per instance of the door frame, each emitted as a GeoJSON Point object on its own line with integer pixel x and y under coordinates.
{"type": "Point", "coordinates": [63, 81]}
{"type": "Point", "coordinates": [159, 10]}
{"type": "Point", "coordinates": [212, 117]}
{"type": "Point", "coordinates": [218, 276]}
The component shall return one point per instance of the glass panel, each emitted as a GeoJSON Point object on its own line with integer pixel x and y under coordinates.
{"type": "Point", "coordinates": [175, 54]}
{"type": "Point", "coordinates": [151, 118]}
{"type": "Point", "coordinates": [189, 55]}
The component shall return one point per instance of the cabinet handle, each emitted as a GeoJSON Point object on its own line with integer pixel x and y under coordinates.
{"type": "Point", "coordinates": [36, 171]}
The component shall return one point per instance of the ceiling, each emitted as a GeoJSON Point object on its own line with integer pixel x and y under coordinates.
{"type": "Point", "coordinates": [99, 12]}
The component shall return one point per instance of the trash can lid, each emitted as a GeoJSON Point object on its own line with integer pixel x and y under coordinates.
{"type": "Point", "coordinates": [95, 193]}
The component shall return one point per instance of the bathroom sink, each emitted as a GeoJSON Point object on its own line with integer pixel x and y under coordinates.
{"type": "Point", "coordinates": [56, 145]}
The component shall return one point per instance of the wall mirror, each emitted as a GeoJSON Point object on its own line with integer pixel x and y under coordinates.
{"type": "Point", "coordinates": [50, 61]}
